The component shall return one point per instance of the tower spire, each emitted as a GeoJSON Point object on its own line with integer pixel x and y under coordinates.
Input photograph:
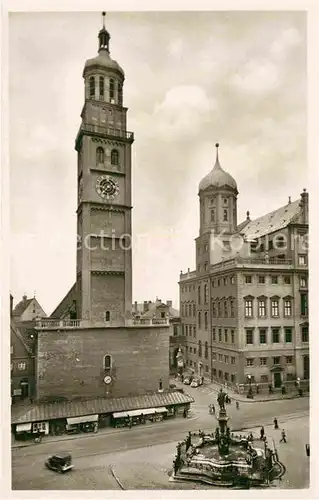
{"type": "Point", "coordinates": [217, 146]}
{"type": "Point", "coordinates": [104, 36]}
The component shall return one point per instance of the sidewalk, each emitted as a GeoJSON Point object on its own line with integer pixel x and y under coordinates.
{"type": "Point", "coordinates": [103, 431]}
{"type": "Point", "coordinates": [264, 397]}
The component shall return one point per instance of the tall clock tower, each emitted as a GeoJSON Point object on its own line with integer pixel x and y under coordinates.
{"type": "Point", "coordinates": [103, 144]}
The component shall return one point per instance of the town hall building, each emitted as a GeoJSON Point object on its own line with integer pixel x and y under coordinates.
{"type": "Point", "coordinates": [244, 309]}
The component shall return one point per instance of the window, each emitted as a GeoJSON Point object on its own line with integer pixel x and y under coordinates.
{"type": "Point", "coordinates": [288, 335]}
{"type": "Point", "coordinates": [92, 87]}
{"type": "Point", "coordinates": [194, 332]}
{"type": "Point", "coordinates": [225, 215]}
{"type": "Point", "coordinates": [114, 157]}
{"type": "Point", "coordinates": [182, 329]}
{"type": "Point", "coordinates": [249, 361]}
{"type": "Point", "coordinates": [233, 336]}
{"type": "Point", "coordinates": [120, 93]}
{"type": "Point", "coordinates": [233, 378]}
{"type": "Point", "coordinates": [190, 350]}
{"type": "Point", "coordinates": [232, 309]}
{"type": "Point", "coordinates": [226, 335]}
{"type": "Point", "coordinates": [107, 362]}
{"type": "Point", "coordinates": [218, 282]}
{"type": "Point", "coordinates": [248, 279]}
{"type": "Point", "coordinates": [107, 315]}
{"type": "Point", "coordinates": [206, 266]}
{"type": "Point", "coordinates": [232, 280]}
{"type": "Point", "coordinates": [214, 372]}
{"type": "Point", "coordinates": [275, 336]}
{"type": "Point", "coordinates": [261, 308]}
{"type": "Point", "coordinates": [219, 309]}
{"type": "Point", "coordinates": [213, 355]}
{"type": "Point", "coordinates": [233, 360]}
{"type": "Point", "coordinates": [194, 310]}
{"type": "Point", "coordinates": [261, 279]}
{"type": "Point", "coordinates": [220, 358]}
{"type": "Point", "coordinates": [163, 315]}
{"type": "Point", "coordinates": [213, 284]}
{"type": "Point", "coordinates": [195, 350]}
{"type": "Point", "coordinates": [220, 374]}
{"type": "Point", "coordinates": [262, 336]}
{"type": "Point", "coordinates": [206, 247]}
{"type": "Point", "coordinates": [287, 280]}
{"type": "Point", "coordinates": [276, 360]}
{"type": "Point", "coordinates": [304, 334]}
{"type": "Point", "coordinates": [99, 155]}
{"type": "Point", "coordinates": [206, 350]}
{"type": "Point", "coordinates": [101, 87]}
{"type": "Point", "coordinates": [274, 280]}
{"type": "Point", "coordinates": [248, 308]}
{"type": "Point", "coordinates": [226, 359]}
{"type": "Point", "coordinates": [264, 378]}
{"type": "Point", "coordinates": [270, 245]}
{"type": "Point", "coordinates": [214, 335]}
{"type": "Point", "coordinates": [199, 320]}
{"type": "Point", "coordinates": [249, 337]}
{"type": "Point", "coordinates": [198, 295]}
{"type": "Point", "coordinates": [205, 294]}
{"type": "Point", "coordinates": [175, 330]}
{"type": "Point", "coordinates": [214, 310]}
{"type": "Point", "coordinates": [288, 360]}
{"type": "Point", "coordinates": [220, 335]}
{"type": "Point", "coordinates": [186, 330]}
{"type": "Point", "coordinates": [302, 260]}
{"type": "Point", "coordinates": [287, 307]}
{"type": "Point", "coordinates": [22, 365]}
{"type": "Point", "coordinates": [225, 309]}
{"type": "Point", "coordinates": [226, 376]}
{"type": "Point", "coordinates": [185, 310]}
{"type": "Point", "coordinates": [304, 304]}
{"type": "Point", "coordinates": [303, 282]}
{"type": "Point", "coordinates": [225, 281]}
{"type": "Point", "coordinates": [212, 215]}
{"type": "Point", "coordinates": [111, 89]}
{"type": "Point", "coordinates": [200, 348]}
{"type": "Point", "coordinates": [275, 308]}
{"type": "Point", "coordinates": [206, 320]}
{"type": "Point", "coordinates": [190, 310]}
{"type": "Point", "coordinates": [263, 361]}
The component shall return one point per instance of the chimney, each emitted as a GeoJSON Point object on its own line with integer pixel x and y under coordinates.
{"type": "Point", "coordinates": [11, 305]}
{"type": "Point", "coordinates": [135, 306]}
{"type": "Point", "coordinates": [169, 303]}
{"type": "Point", "coordinates": [145, 308]}
{"type": "Point", "coordinates": [304, 204]}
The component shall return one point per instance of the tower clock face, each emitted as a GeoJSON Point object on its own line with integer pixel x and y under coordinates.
{"type": "Point", "coordinates": [107, 187]}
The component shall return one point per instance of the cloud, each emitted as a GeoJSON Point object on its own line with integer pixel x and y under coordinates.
{"type": "Point", "coordinates": [257, 77]}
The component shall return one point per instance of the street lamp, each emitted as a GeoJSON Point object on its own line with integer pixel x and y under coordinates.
{"type": "Point", "coordinates": [250, 390]}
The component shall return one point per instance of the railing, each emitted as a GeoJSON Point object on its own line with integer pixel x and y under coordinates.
{"type": "Point", "coordinates": [150, 321]}
{"type": "Point", "coordinates": [57, 324]}
{"type": "Point", "coordinates": [99, 129]}
{"type": "Point", "coordinates": [188, 275]}
{"type": "Point", "coordinates": [60, 323]}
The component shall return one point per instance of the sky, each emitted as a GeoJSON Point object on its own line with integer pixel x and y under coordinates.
{"type": "Point", "coordinates": [192, 79]}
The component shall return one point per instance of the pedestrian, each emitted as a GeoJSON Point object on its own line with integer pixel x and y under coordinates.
{"type": "Point", "coordinates": [237, 405]}
{"type": "Point", "coordinates": [257, 389]}
{"type": "Point", "coordinates": [262, 433]}
{"type": "Point", "coordinates": [300, 392]}
{"type": "Point", "coordinates": [283, 436]}
{"type": "Point", "coordinates": [270, 389]}
{"type": "Point", "coordinates": [130, 422]}
{"type": "Point", "coordinates": [276, 423]}
{"type": "Point", "coordinates": [283, 390]}
{"type": "Point", "coordinates": [185, 413]}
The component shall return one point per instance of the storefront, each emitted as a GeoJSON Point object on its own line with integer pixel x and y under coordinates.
{"type": "Point", "coordinates": [23, 431]}
{"type": "Point", "coordinates": [40, 427]}
{"type": "Point", "coordinates": [136, 417]}
{"type": "Point", "coordinates": [87, 423]}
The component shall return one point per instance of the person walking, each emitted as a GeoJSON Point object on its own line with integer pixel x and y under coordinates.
{"type": "Point", "coordinates": [237, 405]}
{"type": "Point", "coordinates": [257, 389]}
{"type": "Point", "coordinates": [283, 436]}
{"type": "Point", "coordinates": [276, 423]}
{"type": "Point", "coordinates": [262, 433]}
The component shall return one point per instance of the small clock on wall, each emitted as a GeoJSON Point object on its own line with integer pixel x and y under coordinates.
{"type": "Point", "coordinates": [107, 187]}
{"type": "Point", "coordinates": [80, 193]}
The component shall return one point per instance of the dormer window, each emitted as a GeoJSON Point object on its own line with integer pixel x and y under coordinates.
{"type": "Point", "coordinates": [101, 87]}
{"type": "Point", "coordinates": [92, 87]}
{"type": "Point", "coordinates": [111, 89]}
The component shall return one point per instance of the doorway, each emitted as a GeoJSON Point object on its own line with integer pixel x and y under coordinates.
{"type": "Point", "coordinates": [24, 386]}
{"type": "Point", "coordinates": [277, 379]}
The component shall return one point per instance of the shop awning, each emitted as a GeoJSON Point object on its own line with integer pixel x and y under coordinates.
{"type": "Point", "coordinates": [82, 420]}
{"type": "Point", "coordinates": [145, 411]}
{"type": "Point", "coordinates": [120, 414]}
{"type": "Point", "coordinates": [162, 409]}
{"type": "Point", "coordinates": [23, 427]}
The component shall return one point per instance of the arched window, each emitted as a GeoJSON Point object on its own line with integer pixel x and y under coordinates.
{"type": "Point", "coordinates": [225, 215]}
{"type": "Point", "coordinates": [100, 155]}
{"type": "Point", "coordinates": [200, 348]}
{"type": "Point", "coordinates": [212, 215]}
{"type": "Point", "coordinates": [114, 157]}
{"type": "Point", "coordinates": [198, 294]}
{"type": "Point", "coordinates": [194, 310]}
{"type": "Point", "coordinates": [206, 294]}
{"type": "Point", "coordinates": [107, 315]}
{"type": "Point", "coordinates": [101, 87]}
{"type": "Point", "coordinates": [206, 349]}
{"type": "Point", "coordinates": [107, 362]}
{"type": "Point", "coordinates": [190, 310]}
{"type": "Point", "coordinates": [206, 320]}
{"type": "Point", "coordinates": [120, 93]}
{"type": "Point", "coordinates": [92, 87]}
{"type": "Point", "coordinates": [111, 89]}
{"type": "Point", "coordinates": [199, 320]}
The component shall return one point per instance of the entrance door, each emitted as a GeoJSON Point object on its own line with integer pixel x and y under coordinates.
{"type": "Point", "coordinates": [24, 385]}
{"type": "Point", "coordinates": [277, 379]}
{"type": "Point", "coordinates": [306, 368]}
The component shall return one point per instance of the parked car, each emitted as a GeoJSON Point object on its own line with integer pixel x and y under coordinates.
{"type": "Point", "coordinates": [187, 381]}
{"type": "Point", "coordinates": [61, 462]}
{"type": "Point", "coordinates": [196, 382]}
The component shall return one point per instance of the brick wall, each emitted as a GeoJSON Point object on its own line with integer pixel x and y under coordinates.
{"type": "Point", "coordinates": [107, 294]}
{"type": "Point", "coordinates": [70, 363]}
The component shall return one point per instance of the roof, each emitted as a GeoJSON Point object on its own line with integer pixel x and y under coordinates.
{"type": "Point", "coordinates": [152, 307]}
{"type": "Point", "coordinates": [104, 61]}
{"type": "Point", "coordinates": [26, 329]}
{"type": "Point", "coordinates": [16, 332]}
{"type": "Point", "coordinates": [271, 222]}
{"type": "Point", "coordinates": [217, 177]}
{"type": "Point", "coordinates": [65, 304]}
{"type": "Point", "coordinates": [66, 409]}
{"type": "Point", "coordinates": [21, 307]}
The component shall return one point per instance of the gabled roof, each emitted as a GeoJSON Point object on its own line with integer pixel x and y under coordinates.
{"type": "Point", "coordinates": [66, 409]}
{"type": "Point", "coordinates": [152, 307]}
{"type": "Point", "coordinates": [21, 307]}
{"type": "Point", "coordinates": [271, 222]}
{"type": "Point", "coordinates": [16, 332]}
{"type": "Point", "coordinates": [65, 304]}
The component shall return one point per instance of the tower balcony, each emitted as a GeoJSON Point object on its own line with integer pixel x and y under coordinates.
{"type": "Point", "coordinates": [69, 324]}
{"type": "Point", "coordinates": [101, 131]}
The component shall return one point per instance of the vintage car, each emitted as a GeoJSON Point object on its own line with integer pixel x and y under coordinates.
{"type": "Point", "coordinates": [196, 382]}
{"type": "Point", "coordinates": [61, 462]}
{"type": "Point", "coordinates": [187, 380]}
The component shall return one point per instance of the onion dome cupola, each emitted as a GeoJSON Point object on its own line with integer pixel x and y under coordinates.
{"type": "Point", "coordinates": [217, 177]}
{"type": "Point", "coordinates": [103, 76]}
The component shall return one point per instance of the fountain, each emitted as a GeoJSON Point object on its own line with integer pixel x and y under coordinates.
{"type": "Point", "coordinates": [224, 459]}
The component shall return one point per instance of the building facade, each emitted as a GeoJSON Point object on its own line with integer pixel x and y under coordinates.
{"type": "Point", "coordinates": [244, 310]}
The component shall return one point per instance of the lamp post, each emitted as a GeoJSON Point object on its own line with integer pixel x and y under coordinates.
{"type": "Point", "coordinates": [250, 390]}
